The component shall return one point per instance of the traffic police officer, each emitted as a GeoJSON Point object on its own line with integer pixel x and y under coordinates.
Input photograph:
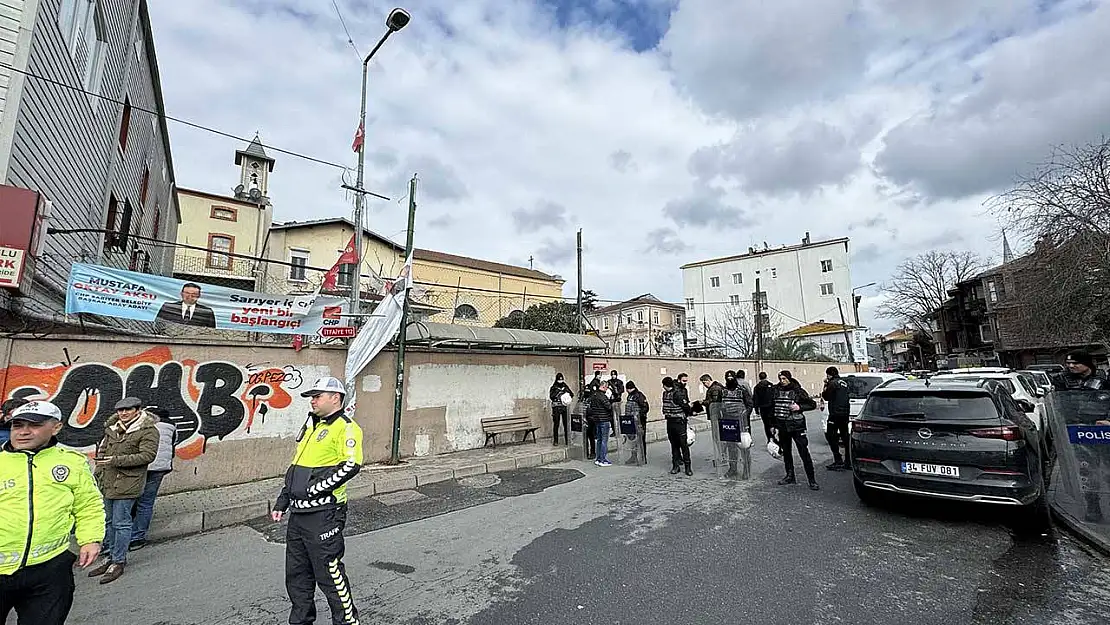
{"type": "Point", "coordinates": [52, 490]}
{"type": "Point", "coordinates": [328, 455]}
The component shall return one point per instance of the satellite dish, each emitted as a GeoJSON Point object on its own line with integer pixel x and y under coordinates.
{"type": "Point", "coordinates": [256, 193]}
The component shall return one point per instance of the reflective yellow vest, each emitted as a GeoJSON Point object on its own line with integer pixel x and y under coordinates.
{"type": "Point", "coordinates": [43, 495]}
{"type": "Point", "coordinates": [328, 455]}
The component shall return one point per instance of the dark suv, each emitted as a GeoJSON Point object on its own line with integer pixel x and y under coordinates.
{"type": "Point", "coordinates": [958, 440]}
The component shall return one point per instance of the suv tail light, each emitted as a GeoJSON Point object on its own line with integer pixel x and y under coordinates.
{"type": "Point", "coordinates": [1006, 433]}
{"type": "Point", "coordinates": [867, 426]}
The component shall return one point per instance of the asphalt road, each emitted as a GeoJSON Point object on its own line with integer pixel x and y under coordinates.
{"type": "Point", "coordinates": [625, 545]}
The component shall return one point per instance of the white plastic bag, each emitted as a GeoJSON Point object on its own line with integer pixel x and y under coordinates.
{"type": "Point", "coordinates": [566, 399]}
{"type": "Point", "coordinates": [774, 450]}
{"type": "Point", "coordinates": [745, 440]}
{"type": "Point", "coordinates": [690, 436]}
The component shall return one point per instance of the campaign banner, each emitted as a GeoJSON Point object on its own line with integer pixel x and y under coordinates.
{"type": "Point", "coordinates": [1089, 434]}
{"type": "Point", "coordinates": [111, 292]}
{"type": "Point", "coordinates": [729, 430]}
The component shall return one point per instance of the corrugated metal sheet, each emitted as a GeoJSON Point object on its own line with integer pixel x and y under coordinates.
{"type": "Point", "coordinates": [450, 335]}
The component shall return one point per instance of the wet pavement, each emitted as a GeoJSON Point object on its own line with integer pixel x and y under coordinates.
{"type": "Point", "coordinates": [578, 543]}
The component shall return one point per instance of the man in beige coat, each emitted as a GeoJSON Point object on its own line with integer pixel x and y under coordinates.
{"type": "Point", "coordinates": [130, 444]}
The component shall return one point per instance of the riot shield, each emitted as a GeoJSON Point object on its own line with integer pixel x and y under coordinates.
{"type": "Point", "coordinates": [631, 448]}
{"type": "Point", "coordinates": [579, 446]}
{"type": "Point", "coordinates": [734, 457]}
{"type": "Point", "coordinates": [1077, 445]}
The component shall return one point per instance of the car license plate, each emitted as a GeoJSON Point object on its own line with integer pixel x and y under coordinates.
{"type": "Point", "coordinates": [930, 469]}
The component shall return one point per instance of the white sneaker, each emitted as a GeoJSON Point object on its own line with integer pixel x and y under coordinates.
{"type": "Point", "coordinates": [598, 463]}
{"type": "Point", "coordinates": [606, 464]}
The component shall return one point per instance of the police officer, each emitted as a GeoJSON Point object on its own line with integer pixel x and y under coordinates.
{"type": "Point", "coordinates": [737, 404]}
{"type": "Point", "coordinates": [328, 455]}
{"type": "Point", "coordinates": [676, 411]}
{"type": "Point", "coordinates": [52, 490]}
{"type": "Point", "coordinates": [839, 409]}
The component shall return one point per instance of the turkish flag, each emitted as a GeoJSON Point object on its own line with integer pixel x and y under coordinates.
{"type": "Point", "coordinates": [360, 136]}
{"type": "Point", "coordinates": [348, 257]}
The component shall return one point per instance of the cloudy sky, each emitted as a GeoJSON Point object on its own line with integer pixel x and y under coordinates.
{"type": "Point", "coordinates": [669, 130]}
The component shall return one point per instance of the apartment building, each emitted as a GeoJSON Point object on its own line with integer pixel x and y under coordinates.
{"type": "Point", "coordinates": [83, 146]}
{"type": "Point", "coordinates": [799, 284]}
{"type": "Point", "coordinates": [643, 325]}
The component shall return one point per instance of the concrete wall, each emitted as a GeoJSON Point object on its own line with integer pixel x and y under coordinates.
{"type": "Point", "coordinates": [238, 407]}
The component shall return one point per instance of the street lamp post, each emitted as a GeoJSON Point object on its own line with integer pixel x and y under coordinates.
{"type": "Point", "coordinates": [398, 19]}
{"type": "Point", "coordinates": [855, 299]}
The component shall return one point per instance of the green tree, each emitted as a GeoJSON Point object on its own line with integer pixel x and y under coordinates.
{"type": "Point", "coordinates": [558, 316]}
{"type": "Point", "coordinates": [794, 349]}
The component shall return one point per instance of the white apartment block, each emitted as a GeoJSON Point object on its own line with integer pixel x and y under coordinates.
{"type": "Point", "coordinates": [800, 284]}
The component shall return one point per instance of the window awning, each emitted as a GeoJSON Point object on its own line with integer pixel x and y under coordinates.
{"type": "Point", "coordinates": [453, 335]}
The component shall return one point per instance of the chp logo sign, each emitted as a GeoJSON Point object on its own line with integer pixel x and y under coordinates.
{"type": "Point", "coordinates": [11, 266]}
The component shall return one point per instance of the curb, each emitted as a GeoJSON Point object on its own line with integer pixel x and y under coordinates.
{"type": "Point", "coordinates": [1080, 531]}
{"type": "Point", "coordinates": [203, 521]}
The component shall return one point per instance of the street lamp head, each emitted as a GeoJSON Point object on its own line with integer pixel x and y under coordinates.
{"type": "Point", "coordinates": [398, 19]}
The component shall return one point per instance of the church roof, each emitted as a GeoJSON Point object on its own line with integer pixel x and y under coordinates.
{"type": "Point", "coordinates": [256, 151]}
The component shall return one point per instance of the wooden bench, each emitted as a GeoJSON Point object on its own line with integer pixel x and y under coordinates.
{"type": "Point", "coordinates": [492, 426]}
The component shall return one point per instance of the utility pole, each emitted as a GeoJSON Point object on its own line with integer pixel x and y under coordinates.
{"type": "Point", "coordinates": [758, 328]}
{"type": "Point", "coordinates": [402, 335]}
{"type": "Point", "coordinates": [582, 356]}
{"type": "Point", "coordinates": [847, 336]}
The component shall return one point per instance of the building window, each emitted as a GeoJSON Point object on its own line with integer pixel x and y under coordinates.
{"type": "Point", "coordinates": [298, 260]}
{"type": "Point", "coordinates": [224, 213]}
{"type": "Point", "coordinates": [72, 13]}
{"type": "Point", "coordinates": [640, 316]}
{"type": "Point", "coordinates": [626, 347]}
{"type": "Point", "coordinates": [715, 281]}
{"type": "Point", "coordinates": [840, 350]}
{"type": "Point", "coordinates": [985, 333]}
{"type": "Point", "coordinates": [827, 288]}
{"type": "Point", "coordinates": [605, 322]}
{"type": "Point", "coordinates": [734, 300]}
{"type": "Point", "coordinates": [826, 266]}
{"type": "Point", "coordinates": [655, 316]}
{"type": "Point", "coordinates": [111, 220]}
{"type": "Point", "coordinates": [641, 346]}
{"type": "Point", "coordinates": [466, 311]}
{"type": "Point", "coordinates": [691, 324]}
{"type": "Point", "coordinates": [220, 243]}
{"type": "Point", "coordinates": [125, 226]}
{"type": "Point", "coordinates": [737, 278]}
{"type": "Point", "coordinates": [94, 37]}
{"type": "Point", "coordinates": [157, 221]}
{"type": "Point", "coordinates": [992, 291]}
{"type": "Point", "coordinates": [774, 272]}
{"type": "Point", "coordinates": [144, 186]}
{"type": "Point", "coordinates": [689, 303]}
{"type": "Point", "coordinates": [760, 301]}
{"type": "Point", "coordinates": [346, 275]}
{"type": "Point", "coordinates": [124, 123]}
{"type": "Point", "coordinates": [628, 319]}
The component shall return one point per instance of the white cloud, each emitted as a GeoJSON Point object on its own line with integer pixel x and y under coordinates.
{"type": "Point", "coordinates": [751, 121]}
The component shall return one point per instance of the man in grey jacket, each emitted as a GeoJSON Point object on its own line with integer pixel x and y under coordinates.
{"type": "Point", "coordinates": [143, 511]}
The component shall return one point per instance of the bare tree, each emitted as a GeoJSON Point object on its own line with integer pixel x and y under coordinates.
{"type": "Point", "coordinates": [1064, 207]}
{"type": "Point", "coordinates": [920, 285]}
{"type": "Point", "coordinates": [734, 331]}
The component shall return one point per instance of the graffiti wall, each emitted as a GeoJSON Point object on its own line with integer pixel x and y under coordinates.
{"type": "Point", "coordinates": [237, 407]}
{"type": "Point", "coordinates": [209, 401]}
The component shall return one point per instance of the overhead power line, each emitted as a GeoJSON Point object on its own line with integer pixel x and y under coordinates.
{"type": "Point", "coordinates": [178, 120]}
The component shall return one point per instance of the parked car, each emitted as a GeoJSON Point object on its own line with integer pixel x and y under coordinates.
{"type": "Point", "coordinates": [1020, 386]}
{"type": "Point", "coordinates": [859, 386]}
{"type": "Point", "coordinates": [950, 439]}
{"type": "Point", "coordinates": [1054, 368]}
{"type": "Point", "coordinates": [1039, 378]}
